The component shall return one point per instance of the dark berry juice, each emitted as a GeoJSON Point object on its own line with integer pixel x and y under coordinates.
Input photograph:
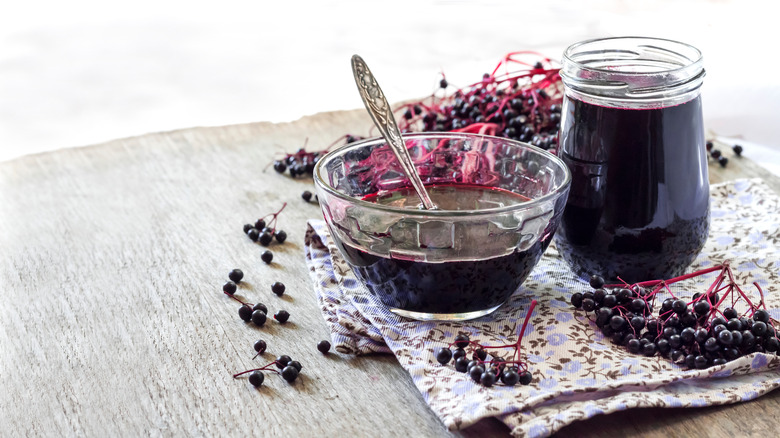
{"type": "Point", "coordinates": [454, 286]}
{"type": "Point", "coordinates": [638, 207]}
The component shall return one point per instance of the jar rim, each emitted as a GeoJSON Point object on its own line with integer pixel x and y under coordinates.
{"type": "Point", "coordinates": [569, 53]}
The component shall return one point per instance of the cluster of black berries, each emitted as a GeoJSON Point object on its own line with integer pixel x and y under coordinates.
{"type": "Point", "coordinates": [265, 233]}
{"type": "Point", "coordinates": [481, 370]}
{"type": "Point", "coordinates": [302, 162]}
{"type": "Point", "coordinates": [717, 155]}
{"type": "Point", "coordinates": [695, 334]}
{"type": "Point", "coordinates": [255, 313]}
{"type": "Point", "coordinates": [524, 105]}
{"type": "Point", "coordinates": [289, 369]}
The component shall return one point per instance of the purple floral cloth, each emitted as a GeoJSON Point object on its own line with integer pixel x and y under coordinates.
{"type": "Point", "coordinates": [577, 372]}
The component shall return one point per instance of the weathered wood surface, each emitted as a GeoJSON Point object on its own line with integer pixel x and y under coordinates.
{"type": "Point", "coordinates": [112, 320]}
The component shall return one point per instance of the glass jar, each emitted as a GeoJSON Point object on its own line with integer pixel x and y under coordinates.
{"type": "Point", "coordinates": [633, 137]}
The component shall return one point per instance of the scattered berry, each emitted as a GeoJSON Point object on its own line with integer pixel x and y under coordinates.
{"type": "Point", "coordinates": [278, 288]}
{"type": "Point", "coordinates": [306, 195]}
{"type": "Point", "coordinates": [261, 307]}
{"type": "Point", "coordinates": [253, 234]}
{"type": "Point", "coordinates": [259, 317]}
{"type": "Point", "coordinates": [282, 316]}
{"type": "Point", "coordinates": [737, 150]}
{"type": "Point", "coordinates": [236, 275]}
{"type": "Point", "coordinates": [229, 288]}
{"type": "Point", "coordinates": [323, 347]}
{"type": "Point", "coordinates": [289, 373]}
{"type": "Point", "coordinates": [260, 346]}
{"type": "Point", "coordinates": [443, 355]}
{"type": "Point", "coordinates": [245, 313]}
{"type": "Point", "coordinates": [267, 256]}
{"type": "Point", "coordinates": [256, 378]}
{"type": "Point", "coordinates": [280, 236]}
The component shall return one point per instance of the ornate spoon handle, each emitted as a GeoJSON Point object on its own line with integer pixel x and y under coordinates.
{"type": "Point", "coordinates": [380, 112]}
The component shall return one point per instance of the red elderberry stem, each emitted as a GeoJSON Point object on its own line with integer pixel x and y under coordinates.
{"type": "Point", "coordinates": [239, 300]}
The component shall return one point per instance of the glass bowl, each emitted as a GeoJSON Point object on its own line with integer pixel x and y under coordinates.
{"type": "Point", "coordinates": [500, 202]}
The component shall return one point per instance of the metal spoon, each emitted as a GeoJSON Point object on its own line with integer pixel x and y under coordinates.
{"type": "Point", "coordinates": [380, 112]}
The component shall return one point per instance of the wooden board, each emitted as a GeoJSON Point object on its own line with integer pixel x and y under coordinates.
{"type": "Point", "coordinates": [112, 259]}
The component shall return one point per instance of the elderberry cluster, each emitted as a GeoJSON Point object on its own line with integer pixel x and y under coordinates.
{"type": "Point", "coordinates": [290, 369]}
{"type": "Point", "coordinates": [524, 104]}
{"type": "Point", "coordinates": [481, 370]}
{"type": "Point", "coordinates": [265, 233]}
{"type": "Point", "coordinates": [696, 334]}
{"type": "Point", "coordinates": [717, 155]}
{"type": "Point", "coordinates": [254, 313]}
{"type": "Point", "coordinates": [302, 162]}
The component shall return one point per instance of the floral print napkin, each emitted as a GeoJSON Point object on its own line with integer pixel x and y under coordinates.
{"type": "Point", "coordinates": [578, 373]}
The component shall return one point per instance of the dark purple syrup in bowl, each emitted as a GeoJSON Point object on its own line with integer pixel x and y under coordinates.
{"type": "Point", "coordinates": [639, 202]}
{"type": "Point", "coordinates": [499, 203]}
{"type": "Point", "coordinates": [408, 284]}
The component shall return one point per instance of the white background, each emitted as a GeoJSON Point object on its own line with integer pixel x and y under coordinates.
{"type": "Point", "coordinates": [80, 72]}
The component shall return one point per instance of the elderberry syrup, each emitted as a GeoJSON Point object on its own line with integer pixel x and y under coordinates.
{"type": "Point", "coordinates": [633, 138]}
{"type": "Point", "coordinates": [408, 284]}
{"type": "Point", "coordinates": [498, 203]}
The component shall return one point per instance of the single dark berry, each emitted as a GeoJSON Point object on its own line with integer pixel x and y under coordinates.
{"type": "Point", "coordinates": [711, 345]}
{"type": "Point", "coordinates": [279, 166]}
{"type": "Point", "coordinates": [323, 347]}
{"type": "Point", "coordinates": [236, 275]}
{"type": "Point", "coordinates": [709, 145]}
{"type": "Point", "coordinates": [256, 378]}
{"type": "Point", "coordinates": [715, 153]}
{"type": "Point", "coordinates": [588, 304]}
{"type": "Point", "coordinates": [306, 195]}
{"type": "Point", "coordinates": [260, 346]}
{"type": "Point", "coordinates": [229, 288]}
{"type": "Point", "coordinates": [480, 354]}
{"type": "Point", "coordinates": [245, 313]}
{"type": "Point", "coordinates": [262, 307]}
{"type": "Point", "coordinates": [761, 315]}
{"type": "Point", "coordinates": [295, 364]}
{"type": "Point", "coordinates": [259, 317]}
{"type": "Point", "coordinates": [443, 83]}
{"type": "Point", "coordinates": [598, 295]}
{"type": "Point", "coordinates": [253, 234]}
{"type": "Point", "coordinates": [461, 341]}
{"type": "Point", "coordinates": [638, 304]}
{"type": "Point", "coordinates": [278, 288]}
{"type": "Point", "coordinates": [267, 256]}
{"type": "Point", "coordinates": [260, 224]}
{"type": "Point", "coordinates": [688, 335]}
{"type": "Point", "coordinates": [282, 361]}
{"type": "Point", "coordinates": [476, 372]}
{"type": "Point", "coordinates": [634, 345]}
{"type": "Point", "coordinates": [723, 161]}
{"type": "Point", "coordinates": [675, 341]}
{"type": "Point", "coordinates": [289, 373]}
{"type": "Point", "coordinates": [690, 361]}
{"type": "Point", "coordinates": [576, 300]}
{"type": "Point", "coordinates": [280, 236]}
{"type": "Point", "coordinates": [734, 324]}
{"type": "Point", "coordinates": [677, 356]}
{"type": "Point", "coordinates": [679, 307]}
{"type": "Point", "coordinates": [458, 353]}
{"type": "Point", "coordinates": [664, 346]}
{"type": "Point", "coordinates": [282, 316]}
{"type": "Point", "coordinates": [759, 328]}
{"type": "Point", "coordinates": [736, 336]}
{"type": "Point", "coordinates": [526, 377]}
{"type": "Point", "coordinates": [596, 281]}
{"type": "Point", "coordinates": [487, 379]}
{"type": "Point", "coordinates": [510, 377]}
{"type": "Point", "coordinates": [772, 345]}
{"type": "Point", "coordinates": [701, 307]}
{"type": "Point", "coordinates": [265, 239]}
{"type": "Point", "coordinates": [247, 227]}
{"type": "Point", "coordinates": [737, 149]}
{"type": "Point", "coordinates": [617, 323]}
{"type": "Point", "coordinates": [461, 364]}
{"type": "Point", "coordinates": [725, 337]}
{"type": "Point", "coordinates": [649, 349]}
{"type": "Point", "coordinates": [443, 355]}
{"type": "Point", "coordinates": [700, 362]}
{"type": "Point", "coordinates": [609, 301]}
{"type": "Point", "coordinates": [748, 339]}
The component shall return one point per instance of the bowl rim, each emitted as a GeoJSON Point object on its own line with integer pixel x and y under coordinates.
{"type": "Point", "coordinates": [320, 183]}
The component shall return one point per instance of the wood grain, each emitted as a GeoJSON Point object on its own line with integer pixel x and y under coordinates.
{"type": "Point", "coordinates": [112, 259]}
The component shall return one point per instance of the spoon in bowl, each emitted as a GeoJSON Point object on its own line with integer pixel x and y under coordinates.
{"type": "Point", "coordinates": [380, 112]}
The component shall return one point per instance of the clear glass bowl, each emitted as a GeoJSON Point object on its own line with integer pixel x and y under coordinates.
{"type": "Point", "coordinates": [500, 202]}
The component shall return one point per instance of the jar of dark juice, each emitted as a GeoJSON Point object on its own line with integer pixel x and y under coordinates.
{"type": "Point", "coordinates": [633, 138]}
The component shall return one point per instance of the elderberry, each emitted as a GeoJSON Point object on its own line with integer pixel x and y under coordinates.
{"type": "Point", "coordinates": [260, 346]}
{"type": "Point", "coordinates": [267, 256]}
{"type": "Point", "coordinates": [245, 313]}
{"type": "Point", "coordinates": [280, 236]}
{"type": "Point", "coordinates": [256, 378]}
{"type": "Point", "coordinates": [443, 355]}
{"type": "Point", "coordinates": [282, 316]}
{"type": "Point", "coordinates": [236, 275]}
{"type": "Point", "coordinates": [323, 347]}
{"type": "Point", "coordinates": [262, 307]}
{"type": "Point", "coordinates": [265, 238]}
{"type": "Point", "coordinates": [259, 317]}
{"type": "Point", "coordinates": [278, 288]}
{"type": "Point", "coordinates": [306, 195]}
{"type": "Point", "coordinates": [229, 288]}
